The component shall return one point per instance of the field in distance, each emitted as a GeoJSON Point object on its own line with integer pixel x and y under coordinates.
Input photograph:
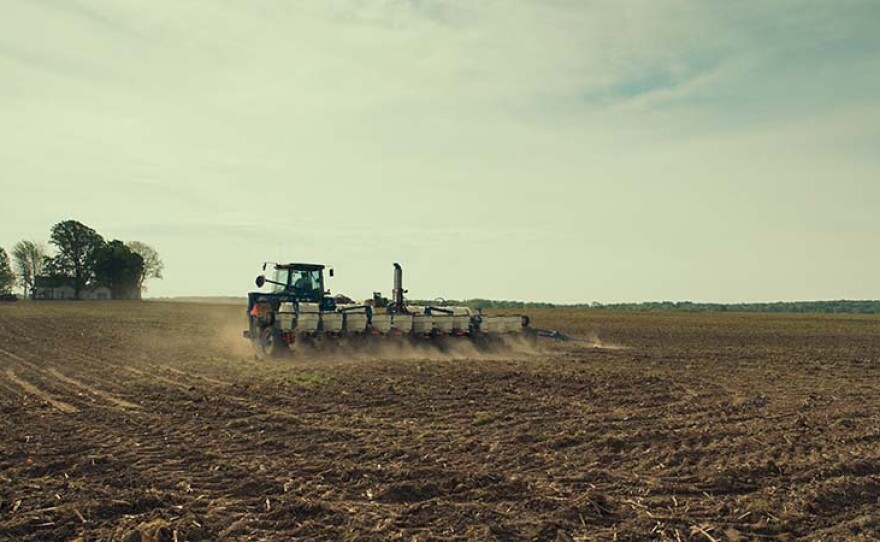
{"type": "Point", "coordinates": [153, 421]}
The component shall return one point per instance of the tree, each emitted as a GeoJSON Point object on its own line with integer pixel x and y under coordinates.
{"type": "Point", "coordinates": [119, 268]}
{"type": "Point", "coordinates": [28, 257]}
{"type": "Point", "coordinates": [76, 245]}
{"type": "Point", "coordinates": [153, 265]}
{"type": "Point", "coordinates": [51, 268]}
{"type": "Point", "coordinates": [7, 277]}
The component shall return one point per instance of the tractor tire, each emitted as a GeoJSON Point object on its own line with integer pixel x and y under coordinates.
{"type": "Point", "coordinates": [270, 344]}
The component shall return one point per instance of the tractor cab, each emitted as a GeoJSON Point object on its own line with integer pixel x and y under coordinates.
{"type": "Point", "coordinates": [296, 281]}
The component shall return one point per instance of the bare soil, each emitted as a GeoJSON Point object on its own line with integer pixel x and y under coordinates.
{"type": "Point", "coordinates": [153, 421]}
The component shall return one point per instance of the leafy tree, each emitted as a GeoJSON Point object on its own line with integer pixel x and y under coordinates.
{"type": "Point", "coordinates": [29, 257]}
{"type": "Point", "coordinates": [51, 268]}
{"type": "Point", "coordinates": [153, 265]}
{"type": "Point", "coordinates": [119, 268]}
{"type": "Point", "coordinates": [7, 277]}
{"type": "Point", "coordinates": [76, 245]}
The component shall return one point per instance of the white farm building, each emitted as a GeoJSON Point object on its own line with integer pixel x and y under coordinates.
{"type": "Point", "coordinates": [52, 288]}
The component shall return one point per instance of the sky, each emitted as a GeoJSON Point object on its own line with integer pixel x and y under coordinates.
{"type": "Point", "coordinates": [545, 150]}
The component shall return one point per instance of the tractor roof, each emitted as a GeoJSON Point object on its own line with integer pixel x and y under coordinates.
{"type": "Point", "coordinates": [300, 266]}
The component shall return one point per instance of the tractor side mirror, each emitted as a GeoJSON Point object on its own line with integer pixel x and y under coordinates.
{"type": "Point", "coordinates": [261, 280]}
{"type": "Point", "coordinates": [331, 271]}
{"type": "Point", "coordinates": [264, 266]}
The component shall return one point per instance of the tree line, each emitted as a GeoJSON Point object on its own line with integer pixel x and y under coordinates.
{"type": "Point", "coordinates": [82, 259]}
{"type": "Point", "coordinates": [842, 306]}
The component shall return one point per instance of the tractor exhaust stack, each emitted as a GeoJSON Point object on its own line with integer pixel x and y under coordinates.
{"type": "Point", "coordinates": [398, 291]}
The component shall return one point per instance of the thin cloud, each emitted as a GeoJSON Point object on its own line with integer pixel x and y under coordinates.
{"type": "Point", "coordinates": [638, 146]}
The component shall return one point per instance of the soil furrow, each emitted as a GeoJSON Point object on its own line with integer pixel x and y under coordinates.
{"type": "Point", "coordinates": [42, 395]}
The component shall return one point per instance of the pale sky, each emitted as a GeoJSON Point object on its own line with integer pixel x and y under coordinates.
{"type": "Point", "coordinates": [554, 150]}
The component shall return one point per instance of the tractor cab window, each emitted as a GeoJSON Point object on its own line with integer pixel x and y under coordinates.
{"type": "Point", "coordinates": [280, 280]}
{"type": "Point", "coordinates": [307, 283]}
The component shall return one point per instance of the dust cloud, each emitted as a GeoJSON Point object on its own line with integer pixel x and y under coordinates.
{"type": "Point", "coordinates": [226, 339]}
{"type": "Point", "coordinates": [594, 341]}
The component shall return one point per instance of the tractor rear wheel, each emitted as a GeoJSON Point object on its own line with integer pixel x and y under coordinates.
{"type": "Point", "coordinates": [270, 344]}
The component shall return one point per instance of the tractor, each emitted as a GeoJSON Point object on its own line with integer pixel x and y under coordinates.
{"type": "Point", "coordinates": [298, 310]}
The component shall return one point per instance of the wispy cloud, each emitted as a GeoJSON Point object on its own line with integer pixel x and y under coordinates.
{"type": "Point", "coordinates": [633, 131]}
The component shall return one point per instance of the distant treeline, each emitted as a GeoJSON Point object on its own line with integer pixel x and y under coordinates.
{"type": "Point", "coordinates": [83, 260]}
{"type": "Point", "coordinates": [842, 306]}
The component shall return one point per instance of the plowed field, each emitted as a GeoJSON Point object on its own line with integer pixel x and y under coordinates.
{"type": "Point", "coordinates": [152, 421]}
